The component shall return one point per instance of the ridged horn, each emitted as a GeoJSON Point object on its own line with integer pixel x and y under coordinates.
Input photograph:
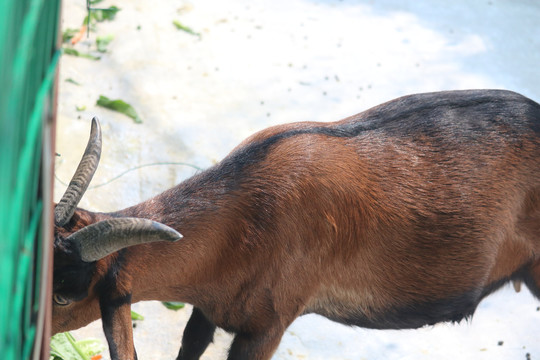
{"type": "Point", "coordinates": [108, 236]}
{"type": "Point", "coordinates": [79, 183]}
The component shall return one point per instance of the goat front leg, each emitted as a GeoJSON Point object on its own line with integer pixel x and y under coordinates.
{"type": "Point", "coordinates": [117, 326]}
{"type": "Point", "coordinates": [198, 334]}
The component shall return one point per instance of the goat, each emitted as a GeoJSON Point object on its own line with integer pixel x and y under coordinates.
{"type": "Point", "coordinates": [405, 215]}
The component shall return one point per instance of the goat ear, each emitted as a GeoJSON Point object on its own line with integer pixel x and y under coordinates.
{"type": "Point", "coordinates": [108, 236]}
{"type": "Point", "coordinates": [81, 179]}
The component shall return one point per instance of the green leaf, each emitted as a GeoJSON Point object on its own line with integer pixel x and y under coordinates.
{"type": "Point", "coordinates": [182, 27]}
{"type": "Point", "coordinates": [80, 108]}
{"type": "Point", "coordinates": [100, 15]}
{"type": "Point", "coordinates": [68, 34]}
{"type": "Point", "coordinates": [90, 347]}
{"type": "Point", "coordinates": [70, 80]}
{"type": "Point", "coordinates": [62, 347]}
{"type": "Point", "coordinates": [173, 305]}
{"type": "Point", "coordinates": [73, 52]}
{"type": "Point", "coordinates": [136, 316]}
{"type": "Point", "coordinates": [120, 106]}
{"type": "Point", "coordinates": [109, 14]}
{"type": "Point", "coordinates": [102, 42]}
{"type": "Point", "coordinates": [65, 347]}
{"type": "Point", "coordinates": [70, 51]}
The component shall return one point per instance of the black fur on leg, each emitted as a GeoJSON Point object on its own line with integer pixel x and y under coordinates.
{"type": "Point", "coordinates": [198, 334]}
{"type": "Point", "coordinates": [255, 346]}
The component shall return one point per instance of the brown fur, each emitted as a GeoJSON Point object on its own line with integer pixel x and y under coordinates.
{"type": "Point", "coordinates": [381, 229]}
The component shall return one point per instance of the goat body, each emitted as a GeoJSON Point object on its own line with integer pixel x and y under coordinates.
{"type": "Point", "coordinates": [405, 215]}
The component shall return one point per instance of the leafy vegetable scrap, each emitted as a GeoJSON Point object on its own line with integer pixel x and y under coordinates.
{"type": "Point", "coordinates": [182, 27]}
{"type": "Point", "coordinates": [172, 305]}
{"type": "Point", "coordinates": [94, 16]}
{"type": "Point", "coordinates": [102, 42]}
{"type": "Point", "coordinates": [78, 36]}
{"type": "Point", "coordinates": [73, 52]}
{"type": "Point", "coordinates": [136, 316]}
{"type": "Point", "coordinates": [72, 81]}
{"type": "Point", "coordinates": [100, 15]}
{"type": "Point", "coordinates": [68, 34]}
{"type": "Point", "coordinates": [120, 106]}
{"type": "Point", "coordinates": [65, 347]}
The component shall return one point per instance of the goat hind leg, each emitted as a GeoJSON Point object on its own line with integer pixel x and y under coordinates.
{"type": "Point", "coordinates": [532, 279]}
{"type": "Point", "coordinates": [530, 229]}
{"type": "Point", "coordinates": [261, 346]}
{"type": "Point", "coordinates": [198, 334]}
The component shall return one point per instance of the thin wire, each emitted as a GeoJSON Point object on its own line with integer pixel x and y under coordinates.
{"type": "Point", "coordinates": [87, 19]}
{"type": "Point", "coordinates": [132, 169]}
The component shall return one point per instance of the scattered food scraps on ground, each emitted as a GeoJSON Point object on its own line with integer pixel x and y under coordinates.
{"type": "Point", "coordinates": [102, 42]}
{"type": "Point", "coordinates": [65, 347]}
{"type": "Point", "coordinates": [172, 305]}
{"type": "Point", "coordinates": [185, 28]}
{"type": "Point", "coordinates": [74, 82]}
{"type": "Point", "coordinates": [120, 106]}
{"type": "Point", "coordinates": [136, 316]}
{"type": "Point", "coordinates": [73, 52]}
{"type": "Point", "coordinates": [79, 35]}
{"type": "Point", "coordinates": [68, 34]}
{"type": "Point", "coordinates": [100, 15]}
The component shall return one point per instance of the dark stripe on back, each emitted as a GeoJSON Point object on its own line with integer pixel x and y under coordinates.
{"type": "Point", "coordinates": [444, 117]}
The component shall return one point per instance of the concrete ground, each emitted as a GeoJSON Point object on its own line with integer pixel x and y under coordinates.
{"type": "Point", "coordinates": [260, 63]}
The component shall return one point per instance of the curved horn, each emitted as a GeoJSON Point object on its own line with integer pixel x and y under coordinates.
{"type": "Point", "coordinates": [79, 183]}
{"type": "Point", "coordinates": [108, 236]}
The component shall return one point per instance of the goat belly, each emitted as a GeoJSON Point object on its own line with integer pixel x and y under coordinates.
{"type": "Point", "coordinates": [410, 316]}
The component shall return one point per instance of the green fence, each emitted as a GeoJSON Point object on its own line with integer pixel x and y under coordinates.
{"type": "Point", "coordinates": [28, 61]}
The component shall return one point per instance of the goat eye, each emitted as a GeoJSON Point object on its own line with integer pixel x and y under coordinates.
{"type": "Point", "coordinates": [60, 300]}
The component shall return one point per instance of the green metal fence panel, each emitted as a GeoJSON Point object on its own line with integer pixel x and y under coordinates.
{"type": "Point", "coordinates": [28, 62]}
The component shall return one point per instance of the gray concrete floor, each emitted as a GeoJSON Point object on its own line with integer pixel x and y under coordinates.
{"type": "Point", "coordinates": [261, 63]}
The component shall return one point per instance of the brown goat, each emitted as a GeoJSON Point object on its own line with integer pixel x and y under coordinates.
{"type": "Point", "coordinates": [407, 214]}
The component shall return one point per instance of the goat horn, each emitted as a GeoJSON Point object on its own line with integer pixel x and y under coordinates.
{"type": "Point", "coordinates": [79, 183]}
{"type": "Point", "coordinates": [108, 236]}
